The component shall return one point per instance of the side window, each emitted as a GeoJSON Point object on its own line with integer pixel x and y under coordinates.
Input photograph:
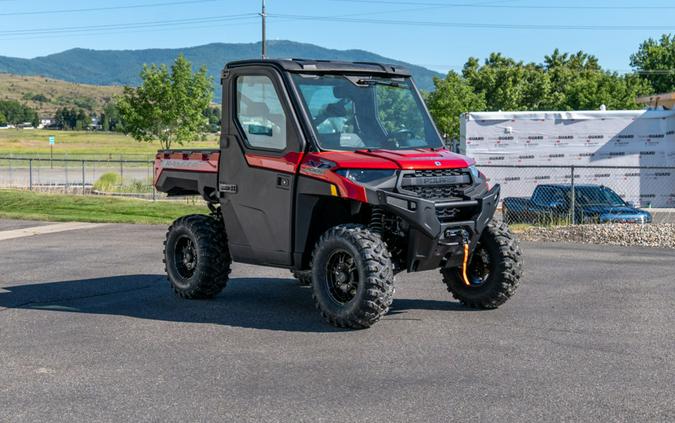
{"type": "Point", "coordinates": [542, 195]}
{"type": "Point", "coordinates": [558, 196]}
{"type": "Point", "coordinates": [260, 114]}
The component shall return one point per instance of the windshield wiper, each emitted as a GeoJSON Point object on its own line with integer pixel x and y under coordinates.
{"type": "Point", "coordinates": [379, 82]}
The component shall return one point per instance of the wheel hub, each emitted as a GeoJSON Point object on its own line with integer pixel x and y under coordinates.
{"type": "Point", "coordinates": [342, 277]}
{"type": "Point", "coordinates": [185, 257]}
{"type": "Point", "coordinates": [479, 268]}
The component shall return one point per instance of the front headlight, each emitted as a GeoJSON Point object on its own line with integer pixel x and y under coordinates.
{"type": "Point", "coordinates": [366, 176]}
{"type": "Point", "coordinates": [475, 173]}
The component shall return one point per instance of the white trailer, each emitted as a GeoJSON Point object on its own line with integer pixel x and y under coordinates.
{"type": "Point", "coordinates": [621, 141]}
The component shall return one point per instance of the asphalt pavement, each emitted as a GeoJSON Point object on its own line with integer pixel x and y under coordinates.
{"type": "Point", "coordinates": [90, 331]}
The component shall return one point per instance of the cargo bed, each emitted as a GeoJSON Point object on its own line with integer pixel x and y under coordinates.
{"type": "Point", "coordinates": [187, 172]}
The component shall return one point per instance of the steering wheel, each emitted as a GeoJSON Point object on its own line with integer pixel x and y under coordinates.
{"type": "Point", "coordinates": [397, 137]}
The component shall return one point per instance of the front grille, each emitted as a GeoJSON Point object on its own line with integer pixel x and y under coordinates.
{"type": "Point", "coordinates": [452, 214]}
{"type": "Point", "coordinates": [447, 214]}
{"type": "Point", "coordinates": [437, 192]}
{"type": "Point", "coordinates": [434, 173]}
{"type": "Point", "coordinates": [450, 185]}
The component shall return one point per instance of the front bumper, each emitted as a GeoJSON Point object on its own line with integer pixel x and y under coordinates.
{"type": "Point", "coordinates": [436, 238]}
{"type": "Point", "coordinates": [625, 218]}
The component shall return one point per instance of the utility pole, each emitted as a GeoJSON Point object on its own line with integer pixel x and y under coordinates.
{"type": "Point", "coordinates": [264, 41]}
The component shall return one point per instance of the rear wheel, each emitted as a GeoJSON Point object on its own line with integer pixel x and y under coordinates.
{"type": "Point", "coordinates": [196, 257]}
{"type": "Point", "coordinates": [493, 272]}
{"type": "Point", "coordinates": [352, 277]}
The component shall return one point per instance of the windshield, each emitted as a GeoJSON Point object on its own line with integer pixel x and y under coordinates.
{"type": "Point", "coordinates": [350, 112]}
{"type": "Point", "coordinates": [598, 196]}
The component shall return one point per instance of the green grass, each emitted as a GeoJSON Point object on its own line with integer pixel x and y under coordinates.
{"type": "Point", "coordinates": [102, 145]}
{"type": "Point", "coordinates": [65, 208]}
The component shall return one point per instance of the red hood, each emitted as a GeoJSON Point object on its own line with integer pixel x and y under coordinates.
{"type": "Point", "coordinates": [421, 158]}
{"type": "Point", "coordinates": [395, 159]}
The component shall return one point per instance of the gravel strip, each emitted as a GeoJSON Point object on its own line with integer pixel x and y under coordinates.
{"type": "Point", "coordinates": [650, 235]}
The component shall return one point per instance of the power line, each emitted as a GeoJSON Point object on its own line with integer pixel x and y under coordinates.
{"type": "Point", "coordinates": [97, 9]}
{"type": "Point", "coordinates": [16, 34]}
{"type": "Point", "coordinates": [477, 25]}
{"type": "Point", "coordinates": [186, 26]}
{"type": "Point", "coordinates": [502, 6]}
{"type": "Point", "coordinates": [135, 25]}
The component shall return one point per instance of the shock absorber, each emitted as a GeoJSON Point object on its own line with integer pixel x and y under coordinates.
{"type": "Point", "coordinates": [377, 220]}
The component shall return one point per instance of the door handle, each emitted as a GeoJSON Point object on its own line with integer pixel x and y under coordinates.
{"type": "Point", "coordinates": [283, 182]}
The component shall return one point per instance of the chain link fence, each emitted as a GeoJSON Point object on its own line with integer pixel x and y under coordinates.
{"type": "Point", "coordinates": [530, 194]}
{"type": "Point", "coordinates": [563, 195]}
{"type": "Point", "coordinates": [130, 178]}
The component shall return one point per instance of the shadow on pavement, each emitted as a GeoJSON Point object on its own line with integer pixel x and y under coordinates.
{"type": "Point", "coordinates": [261, 303]}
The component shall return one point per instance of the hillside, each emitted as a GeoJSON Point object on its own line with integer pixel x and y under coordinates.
{"type": "Point", "coordinates": [121, 67]}
{"type": "Point", "coordinates": [46, 95]}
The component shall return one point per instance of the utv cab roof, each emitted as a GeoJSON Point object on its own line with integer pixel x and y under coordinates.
{"type": "Point", "coordinates": [325, 66]}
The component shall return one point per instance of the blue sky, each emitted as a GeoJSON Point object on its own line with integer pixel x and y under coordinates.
{"type": "Point", "coordinates": [26, 32]}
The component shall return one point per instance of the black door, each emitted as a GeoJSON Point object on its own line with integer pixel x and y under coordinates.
{"type": "Point", "coordinates": [260, 152]}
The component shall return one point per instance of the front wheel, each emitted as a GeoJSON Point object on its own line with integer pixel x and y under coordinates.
{"type": "Point", "coordinates": [493, 272]}
{"type": "Point", "coordinates": [352, 277]}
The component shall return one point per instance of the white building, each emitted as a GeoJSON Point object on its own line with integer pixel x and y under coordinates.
{"type": "Point", "coordinates": [615, 143]}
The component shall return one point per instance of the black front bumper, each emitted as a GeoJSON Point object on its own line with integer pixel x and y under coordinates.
{"type": "Point", "coordinates": [433, 239]}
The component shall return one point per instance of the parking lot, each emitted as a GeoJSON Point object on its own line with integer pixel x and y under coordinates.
{"type": "Point", "coordinates": [90, 331]}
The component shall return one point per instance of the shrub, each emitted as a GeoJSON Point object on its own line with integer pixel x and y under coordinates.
{"type": "Point", "coordinates": [108, 182]}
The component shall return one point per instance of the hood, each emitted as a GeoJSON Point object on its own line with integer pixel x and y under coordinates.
{"type": "Point", "coordinates": [420, 158]}
{"type": "Point", "coordinates": [393, 159]}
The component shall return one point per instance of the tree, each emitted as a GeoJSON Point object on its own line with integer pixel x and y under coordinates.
{"type": "Point", "coordinates": [3, 119]}
{"type": "Point", "coordinates": [110, 118]}
{"type": "Point", "coordinates": [655, 61]}
{"type": "Point", "coordinates": [212, 114]}
{"type": "Point", "coordinates": [397, 110]}
{"type": "Point", "coordinates": [16, 113]}
{"type": "Point", "coordinates": [168, 106]}
{"type": "Point", "coordinates": [72, 118]}
{"type": "Point", "coordinates": [452, 97]}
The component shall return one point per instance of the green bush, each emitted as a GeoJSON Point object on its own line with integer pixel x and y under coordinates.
{"type": "Point", "coordinates": [108, 182]}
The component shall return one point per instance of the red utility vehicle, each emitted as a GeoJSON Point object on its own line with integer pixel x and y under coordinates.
{"type": "Point", "coordinates": [335, 171]}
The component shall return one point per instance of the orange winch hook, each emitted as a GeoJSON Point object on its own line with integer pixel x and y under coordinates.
{"type": "Point", "coordinates": [464, 264]}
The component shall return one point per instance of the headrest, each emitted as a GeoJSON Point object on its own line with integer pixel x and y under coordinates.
{"type": "Point", "coordinates": [257, 108]}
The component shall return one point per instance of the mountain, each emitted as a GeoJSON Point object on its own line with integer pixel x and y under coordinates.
{"type": "Point", "coordinates": [45, 95]}
{"type": "Point", "coordinates": [122, 67]}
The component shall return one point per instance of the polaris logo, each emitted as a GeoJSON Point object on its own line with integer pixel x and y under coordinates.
{"type": "Point", "coordinates": [436, 180]}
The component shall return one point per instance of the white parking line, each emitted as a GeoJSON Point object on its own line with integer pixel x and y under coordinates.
{"type": "Point", "coordinates": [47, 229]}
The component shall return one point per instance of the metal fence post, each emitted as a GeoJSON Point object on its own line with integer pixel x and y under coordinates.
{"type": "Point", "coordinates": [11, 179]}
{"type": "Point", "coordinates": [574, 211]}
{"type": "Point", "coordinates": [121, 170]}
{"type": "Point", "coordinates": [65, 164]}
{"type": "Point", "coordinates": [82, 177]}
{"type": "Point", "coordinates": [30, 174]}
